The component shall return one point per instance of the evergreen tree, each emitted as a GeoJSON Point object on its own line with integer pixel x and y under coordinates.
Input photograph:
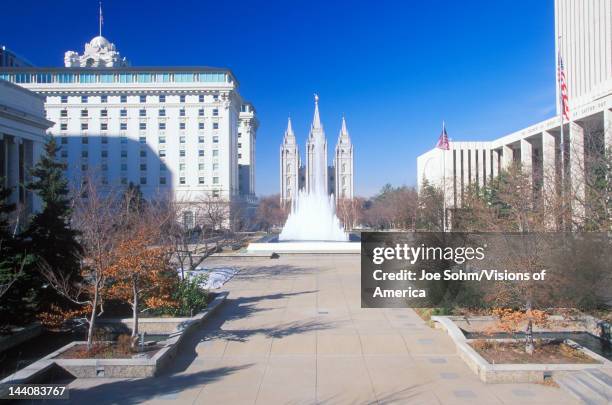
{"type": "Point", "coordinates": [51, 238]}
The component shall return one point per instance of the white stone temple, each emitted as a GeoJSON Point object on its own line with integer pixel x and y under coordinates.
{"type": "Point", "coordinates": [339, 177]}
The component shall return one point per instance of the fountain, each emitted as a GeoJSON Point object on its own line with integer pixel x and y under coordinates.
{"type": "Point", "coordinates": [312, 225]}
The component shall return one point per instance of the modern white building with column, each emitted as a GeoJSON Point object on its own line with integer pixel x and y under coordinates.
{"type": "Point", "coordinates": [22, 137]}
{"type": "Point", "coordinates": [584, 38]}
{"type": "Point", "coordinates": [181, 132]}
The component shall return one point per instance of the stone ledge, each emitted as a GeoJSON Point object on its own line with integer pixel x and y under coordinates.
{"type": "Point", "coordinates": [116, 368]}
{"type": "Point", "coordinates": [510, 373]}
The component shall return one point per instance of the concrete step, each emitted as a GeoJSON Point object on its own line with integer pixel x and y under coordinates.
{"type": "Point", "coordinates": [590, 387]}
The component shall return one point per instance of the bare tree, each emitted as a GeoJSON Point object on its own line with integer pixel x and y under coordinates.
{"type": "Point", "coordinates": [269, 213]}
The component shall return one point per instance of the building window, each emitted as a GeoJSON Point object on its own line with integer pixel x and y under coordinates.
{"type": "Point", "coordinates": [215, 139]}
{"type": "Point", "coordinates": [162, 153]}
{"type": "Point", "coordinates": [84, 154]}
{"type": "Point", "coordinates": [215, 193]}
{"type": "Point", "coordinates": [104, 99]}
{"type": "Point", "coordinates": [123, 180]}
{"type": "Point", "coordinates": [215, 97]}
{"type": "Point", "coordinates": [181, 139]}
{"type": "Point", "coordinates": [64, 153]}
{"type": "Point", "coordinates": [182, 166]}
{"type": "Point", "coordinates": [215, 112]}
{"type": "Point", "coordinates": [84, 126]}
{"type": "Point", "coordinates": [162, 180]}
{"type": "Point", "coordinates": [181, 125]}
{"type": "Point", "coordinates": [201, 98]}
{"type": "Point", "coordinates": [215, 125]}
{"type": "Point", "coordinates": [200, 125]}
{"type": "Point", "coordinates": [162, 167]}
{"type": "Point", "coordinates": [143, 98]}
{"type": "Point", "coordinates": [215, 180]}
{"type": "Point", "coordinates": [124, 155]}
{"type": "Point", "coordinates": [162, 112]}
{"type": "Point", "coordinates": [142, 139]}
{"type": "Point", "coordinates": [84, 99]}
{"type": "Point", "coordinates": [104, 153]}
{"type": "Point", "coordinates": [162, 125]}
{"type": "Point", "coordinates": [123, 139]}
{"type": "Point", "coordinates": [123, 99]}
{"type": "Point", "coordinates": [239, 134]}
{"type": "Point", "coordinates": [201, 152]}
{"type": "Point", "coordinates": [64, 140]}
{"type": "Point", "coordinates": [143, 153]}
{"type": "Point", "coordinates": [162, 139]}
{"type": "Point", "coordinates": [103, 126]}
{"type": "Point", "coordinates": [142, 125]}
{"type": "Point", "coordinates": [182, 153]}
{"type": "Point", "coordinates": [182, 112]}
{"type": "Point", "coordinates": [63, 99]}
{"type": "Point", "coordinates": [200, 139]}
{"type": "Point", "coordinates": [64, 113]}
{"type": "Point", "coordinates": [200, 180]}
{"type": "Point", "coordinates": [201, 166]}
{"type": "Point", "coordinates": [182, 98]}
{"type": "Point", "coordinates": [123, 113]}
{"type": "Point", "coordinates": [181, 180]}
{"type": "Point", "coordinates": [63, 126]}
{"type": "Point", "coordinates": [239, 145]}
{"type": "Point", "coordinates": [143, 167]}
{"type": "Point", "coordinates": [201, 112]}
{"type": "Point", "coordinates": [84, 113]}
{"type": "Point", "coordinates": [123, 126]}
{"type": "Point", "coordinates": [84, 167]}
{"type": "Point", "coordinates": [215, 166]}
{"type": "Point", "coordinates": [104, 140]}
{"type": "Point", "coordinates": [142, 113]}
{"type": "Point", "coordinates": [105, 167]}
{"type": "Point", "coordinates": [240, 156]}
{"type": "Point", "coordinates": [215, 152]}
{"type": "Point", "coordinates": [143, 180]}
{"type": "Point", "coordinates": [162, 98]}
{"type": "Point", "coordinates": [103, 113]}
{"type": "Point", "coordinates": [123, 167]}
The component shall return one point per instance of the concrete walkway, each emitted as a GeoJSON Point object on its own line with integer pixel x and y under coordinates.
{"type": "Point", "coordinates": [292, 332]}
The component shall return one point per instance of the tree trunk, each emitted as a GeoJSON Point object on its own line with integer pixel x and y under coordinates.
{"type": "Point", "coordinates": [529, 347]}
{"type": "Point", "coordinates": [135, 316]}
{"type": "Point", "coordinates": [92, 319]}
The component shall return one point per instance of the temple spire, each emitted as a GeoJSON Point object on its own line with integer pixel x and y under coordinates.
{"type": "Point", "coordinates": [343, 136]}
{"type": "Point", "coordinates": [316, 120]}
{"type": "Point", "coordinates": [289, 131]}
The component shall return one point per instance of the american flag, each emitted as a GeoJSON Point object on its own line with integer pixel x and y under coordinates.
{"type": "Point", "coordinates": [563, 90]}
{"type": "Point", "coordinates": [443, 140]}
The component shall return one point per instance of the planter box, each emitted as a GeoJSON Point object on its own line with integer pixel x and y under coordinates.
{"type": "Point", "coordinates": [509, 373]}
{"type": "Point", "coordinates": [19, 336]}
{"type": "Point", "coordinates": [117, 368]}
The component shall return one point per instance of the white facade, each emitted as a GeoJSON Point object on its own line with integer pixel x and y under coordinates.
{"type": "Point", "coordinates": [173, 131]}
{"type": "Point", "coordinates": [22, 137]}
{"type": "Point", "coordinates": [247, 135]}
{"type": "Point", "coordinates": [99, 52]}
{"type": "Point", "coordinates": [587, 55]}
{"type": "Point", "coordinates": [343, 164]}
{"type": "Point", "coordinates": [289, 165]}
{"type": "Point", "coordinates": [339, 178]}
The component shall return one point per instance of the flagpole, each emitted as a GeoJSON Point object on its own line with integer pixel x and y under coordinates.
{"type": "Point", "coordinates": [562, 136]}
{"type": "Point", "coordinates": [444, 181]}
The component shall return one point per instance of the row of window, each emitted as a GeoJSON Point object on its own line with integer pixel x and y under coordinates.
{"type": "Point", "coordinates": [142, 98]}
{"type": "Point", "coordinates": [127, 77]}
{"type": "Point", "coordinates": [141, 126]}
{"type": "Point", "coordinates": [162, 179]}
{"type": "Point", "coordinates": [141, 113]}
{"type": "Point", "coordinates": [142, 154]}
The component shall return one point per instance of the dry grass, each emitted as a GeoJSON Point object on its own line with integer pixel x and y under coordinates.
{"type": "Point", "coordinates": [546, 352]}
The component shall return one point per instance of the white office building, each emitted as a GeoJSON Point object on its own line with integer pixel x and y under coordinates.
{"type": "Point", "coordinates": [584, 39]}
{"type": "Point", "coordinates": [22, 136]}
{"type": "Point", "coordinates": [183, 132]}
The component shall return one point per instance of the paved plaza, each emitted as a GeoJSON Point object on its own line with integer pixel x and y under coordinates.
{"type": "Point", "coordinates": [292, 332]}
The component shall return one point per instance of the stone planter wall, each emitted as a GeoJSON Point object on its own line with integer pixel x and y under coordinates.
{"type": "Point", "coordinates": [117, 368]}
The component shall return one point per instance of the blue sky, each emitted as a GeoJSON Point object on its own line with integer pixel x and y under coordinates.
{"type": "Point", "coordinates": [396, 69]}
